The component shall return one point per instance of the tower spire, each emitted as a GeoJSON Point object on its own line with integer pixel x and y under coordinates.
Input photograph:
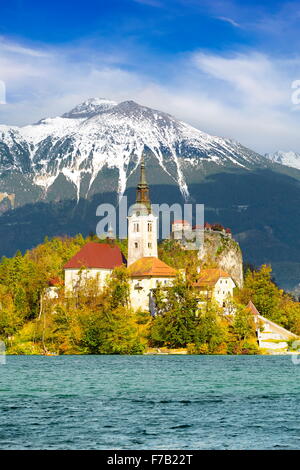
{"type": "Point", "coordinates": [142, 223]}
{"type": "Point", "coordinates": [142, 191]}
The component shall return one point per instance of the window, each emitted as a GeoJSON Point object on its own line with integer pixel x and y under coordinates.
{"type": "Point", "coordinates": [149, 227]}
{"type": "Point", "coordinates": [136, 227]}
{"type": "Point", "coordinates": [149, 245]}
{"type": "Point", "coordinates": [136, 245]}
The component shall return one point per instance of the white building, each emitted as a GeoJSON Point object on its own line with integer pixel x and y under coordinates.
{"type": "Point", "coordinates": [181, 228]}
{"type": "Point", "coordinates": [215, 283]}
{"type": "Point", "coordinates": [93, 261]}
{"type": "Point", "coordinates": [146, 274]}
{"type": "Point", "coordinates": [142, 234]}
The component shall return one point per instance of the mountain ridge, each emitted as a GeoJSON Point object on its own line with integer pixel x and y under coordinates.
{"type": "Point", "coordinates": [102, 132]}
{"type": "Point", "coordinates": [290, 159]}
{"type": "Point", "coordinates": [55, 173]}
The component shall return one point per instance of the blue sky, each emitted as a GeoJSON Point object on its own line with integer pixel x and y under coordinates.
{"type": "Point", "coordinates": [225, 67]}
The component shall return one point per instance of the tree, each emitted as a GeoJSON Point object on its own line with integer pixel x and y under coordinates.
{"type": "Point", "coordinates": [118, 288]}
{"type": "Point", "coordinates": [176, 319]}
{"type": "Point", "coordinates": [211, 329]}
{"type": "Point", "coordinates": [243, 323]}
{"type": "Point", "coordinates": [108, 325]}
{"type": "Point", "coordinates": [271, 301]}
{"type": "Point", "coordinates": [259, 288]}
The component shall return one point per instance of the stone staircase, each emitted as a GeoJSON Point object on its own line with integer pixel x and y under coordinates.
{"type": "Point", "coordinates": [272, 337]}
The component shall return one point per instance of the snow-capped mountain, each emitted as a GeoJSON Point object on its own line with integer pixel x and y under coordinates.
{"type": "Point", "coordinates": [56, 172]}
{"type": "Point", "coordinates": [101, 134]}
{"type": "Point", "coordinates": [291, 159]}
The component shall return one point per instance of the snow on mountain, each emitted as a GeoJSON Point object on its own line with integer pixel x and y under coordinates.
{"type": "Point", "coordinates": [291, 159]}
{"type": "Point", "coordinates": [102, 133]}
{"type": "Point", "coordinates": [89, 108]}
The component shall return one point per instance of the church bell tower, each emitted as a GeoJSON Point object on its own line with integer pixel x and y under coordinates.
{"type": "Point", "coordinates": [142, 224]}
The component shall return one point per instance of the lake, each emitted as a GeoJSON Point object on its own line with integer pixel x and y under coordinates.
{"type": "Point", "coordinates": [149, 402]}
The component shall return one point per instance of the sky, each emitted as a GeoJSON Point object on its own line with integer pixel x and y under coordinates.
{"type": "Point", "coordinates": [226, 67]}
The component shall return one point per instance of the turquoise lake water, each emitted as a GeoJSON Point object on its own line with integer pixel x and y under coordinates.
{"type": "Point", "coordinates": [149, 402]}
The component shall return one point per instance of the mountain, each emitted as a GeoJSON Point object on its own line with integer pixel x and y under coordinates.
{"type": "Point", "coordinates": [54, 174]}
{"type": "Point", "coordinates": [291, 159]}
{"type": "Point", "coordinates": [100, 134]}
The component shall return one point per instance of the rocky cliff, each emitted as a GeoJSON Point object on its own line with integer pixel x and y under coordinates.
{"type": "Point", "coordinates": [219, 250]}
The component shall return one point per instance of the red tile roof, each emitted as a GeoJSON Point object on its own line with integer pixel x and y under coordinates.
{"type": "Point", "coordinates": [97, 255]}
{"type": "Point", "coordinates": [182, 222]}
{"type": "Point", "coordinates": [150, 266]}
{"type": "Point", "coordinates": [209, 277]}
{"type": "Point", "coordinates": [253, 309]}
{"type": "Point", "coordinates": [55, 281]}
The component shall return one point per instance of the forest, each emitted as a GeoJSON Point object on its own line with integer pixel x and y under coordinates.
{"type": "Point", "coordinates": [98, 321]}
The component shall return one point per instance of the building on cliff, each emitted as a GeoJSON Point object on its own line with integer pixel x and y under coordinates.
{"type": "Point", "coordinates": [215, 284]}
{"type": "Point", "coordinates": [218, 247]}
{"type": "Point", "coordinates": [182, 230]}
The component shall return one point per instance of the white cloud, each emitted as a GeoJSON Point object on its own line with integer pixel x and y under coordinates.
{"type": "Point", "coordinates": [229, 20]}
{"type": "Point", "coordinates": [254, 78]}
{"type": "Point", "coordinates": [243, 96]}
{"type": "Point", "coordinates": [253, 95]}
{"type": "Point", "coordinates": [49, 84]}
{"type": "Point", "coordinates": [19, 49]}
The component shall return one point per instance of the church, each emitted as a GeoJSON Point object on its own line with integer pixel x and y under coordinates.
{"type": "Point", "coordinates": [146, 271]}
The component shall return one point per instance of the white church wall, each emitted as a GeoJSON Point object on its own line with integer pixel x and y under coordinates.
{"type": "Point", "coordinates": [72, 276]}
{"type": "Point", "coordinates": [221, 291]}
{"type": "Point", "coordinates": [140, 289]}
{"type": "Point", "coordinates": [142, 237]}
{"type": "Point", "coordinates": [223, 288]}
